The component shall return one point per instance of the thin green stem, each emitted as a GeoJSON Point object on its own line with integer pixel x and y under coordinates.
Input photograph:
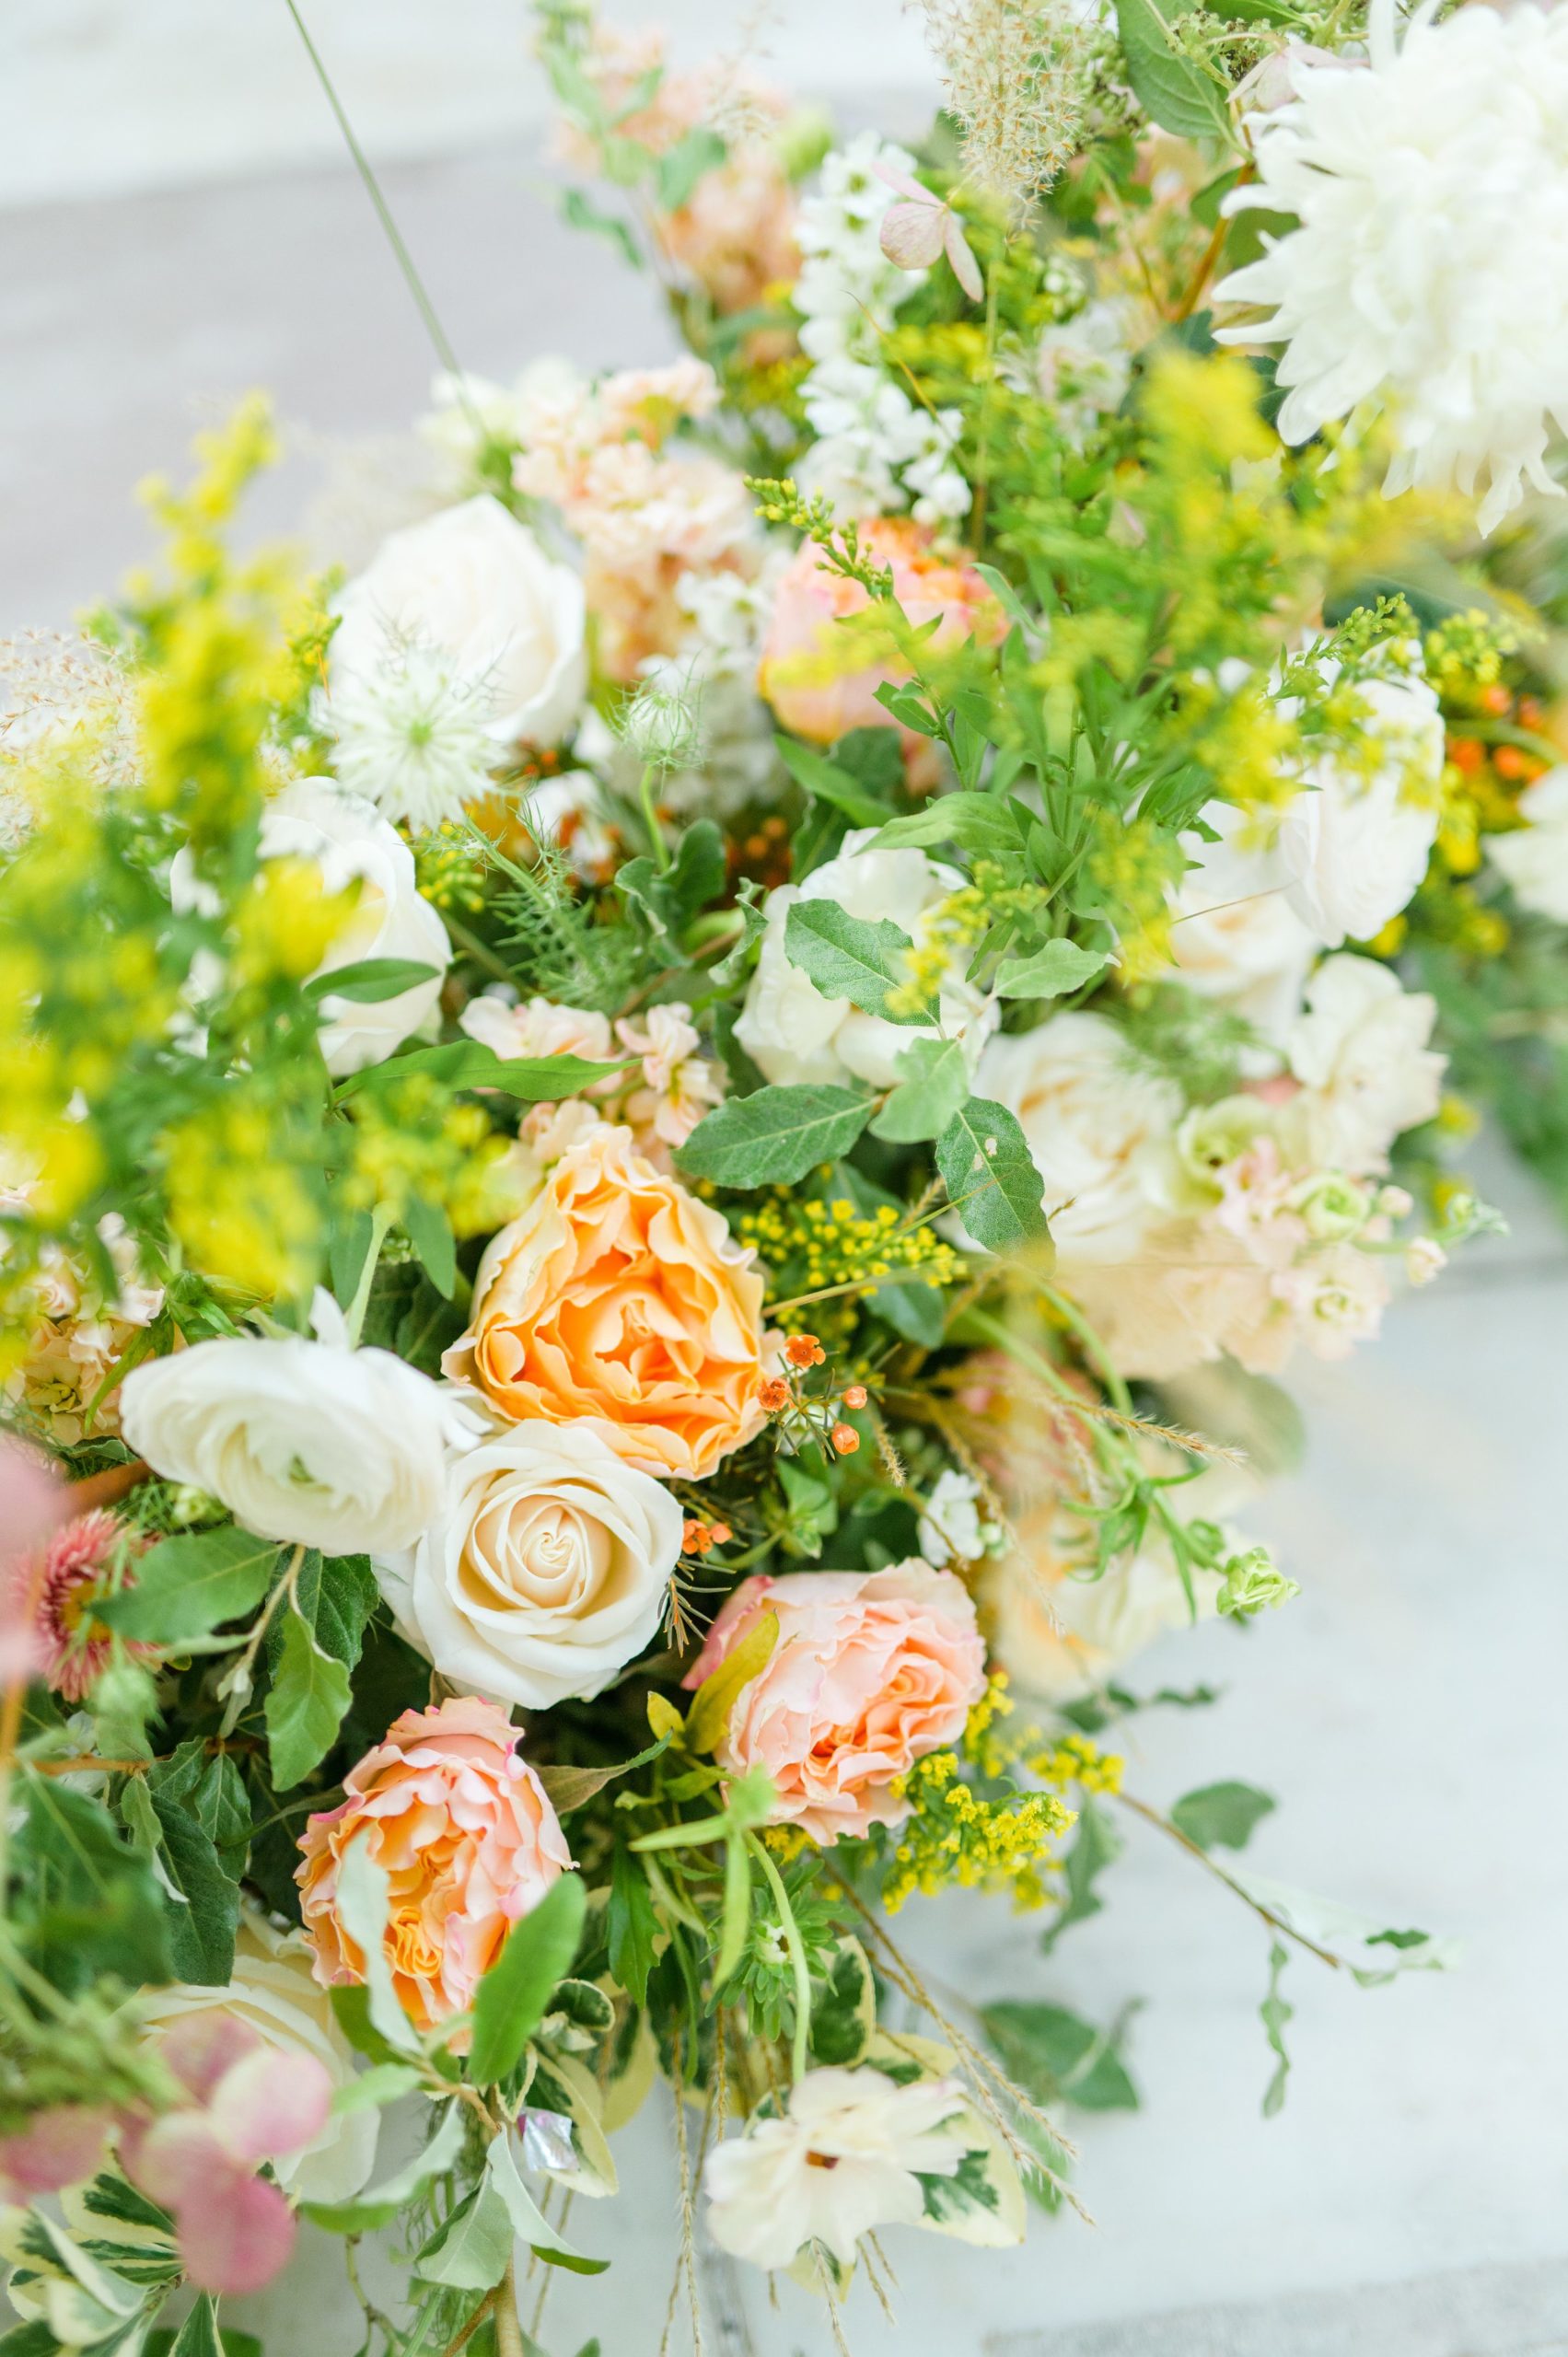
{"type": "Point", "coordinates": [799, 1966]}
{"type": "Point", "coordinates": [650, 817]}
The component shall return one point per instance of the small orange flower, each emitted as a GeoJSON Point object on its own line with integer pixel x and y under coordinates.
{"type": "Point", "coordinates": [855, 1396]}
{"type": "Point", "coordinates": [847, 1440]}
{"type": "Point", "coordinates": [721, 1534]}
{"type": "Point", "coordinates": [772, 1393]}
{"type": "Point", "coordinates": [803, 1351]}
{"type": "Point", "coordinates": [695, 1538]}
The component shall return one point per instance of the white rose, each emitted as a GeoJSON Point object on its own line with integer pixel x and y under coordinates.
{"type": "Point", "coordinates": [1100, 1124]}
{"type": "Point", "coordinates": [1354, 846]}
{"type": "Point", "coordinates": [1535, 861]}
{"type": "Point", "coordinates": [793, 1033]}
{"type": "Point", "coordinates": [544, 1569]}
{"type": "Point", "coordinates": [1234, 935]}
{"type": "Point", "coordinates": [475, 585]}
{"type": "Point", "coordinates": [274, 1991]}
{"type": "Point", "coordinates": [352, 844]}
{"type": "Point", "coordinates": [1058, 1633]}
{"type": "Point", "coordinates": [312, 1444]}
{"type": "Point", "coordinates": [1360, 1051]}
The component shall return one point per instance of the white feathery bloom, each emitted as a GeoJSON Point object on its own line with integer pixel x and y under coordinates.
{"type": "Point", "coordinates": [1431, 187]}
{"type": "Point", "coordinates": [413, 739]}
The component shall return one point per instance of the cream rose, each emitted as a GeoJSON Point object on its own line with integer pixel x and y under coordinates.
{"type": "Point", "coordinates": [475, 585]}
{"type": "Point", "coordinates": [1234, 935]}
{"type": "Point", "coordinates": [1100, 1124]}
{"type": "Point", "coordinates": [545, 1570]}
{"type": "Point", "coordinates": [793, 1033]}
{"type": "Point", "coordinates": [312, 1444]}
{"type": "Point", "coordinates": [274, 1992]}
{"type": "Point", "coordinates": [1354, 845]}
{"type": "Point", "coordinates": [1535, 859]}
{"type": "Point", "coordinates": [616, 1295]}
{"type": "Point", "coordinates": [1360, 1050]}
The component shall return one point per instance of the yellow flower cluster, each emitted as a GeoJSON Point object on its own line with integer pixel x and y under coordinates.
{"type": "Point", "coordinates": [823, 1244]}
{"type": "Point", "coordinates": [414, 1143]}
{"type": "Point", "coordinates": [243, 1209]}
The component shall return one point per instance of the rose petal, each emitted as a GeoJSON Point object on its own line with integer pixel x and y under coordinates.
{"type": "Point", "coordinates": [961, 253]}
{"type": "Point", "coordinates": [911, 235]}
{"type": "Point", "coordinates": [269, 2104]}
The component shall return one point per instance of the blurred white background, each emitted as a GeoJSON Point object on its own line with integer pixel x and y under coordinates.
{"type": "Point", "coordinates": [177, 225]}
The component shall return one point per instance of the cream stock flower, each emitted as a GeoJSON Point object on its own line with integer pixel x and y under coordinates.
{"type": "Point", "coordinates": [1360, 1049]}
{"type": "Point", "coordinates": [618, 1295]}
{"type": "Point", "coordinates": [545, 1570]}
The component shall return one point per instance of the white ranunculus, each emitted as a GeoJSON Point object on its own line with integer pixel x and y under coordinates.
{"type": "Point", "coordinates": [1100, 1123]}
{"type": "Point", "coordinates": [844, 2158]}
{"type": "Point", "coordinates": [1360, 1051]}
{"type": "Point", "coordinates": [793, 1033]}
{"type": "Point", "coordinates": [1355, 838]}
{"type": "Point", "coordinates": [311, 1443]}
{"type": "Point", "coordinates": [274, 1991]}
{"type": "Point", "coordinates": [1430, 190]}
{"type": "Point", "coordinates": [475, 587]}
{"type": "Point", "coordinates": [1058, 1633]}
{"type": "Point", "coordinates": [543, 1571]}
{"type": "Point", "coordinates": [951, 1527]}
{"type": "Point", "coordinates": [1234, 935]}
{"type": "Point", "coordinates": [1535, 860]}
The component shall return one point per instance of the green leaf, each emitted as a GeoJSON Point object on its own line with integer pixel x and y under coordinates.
{"type": "Point", "coordinates": [527, 2221]}
{"type": "Point", "coordinates": [681, 167]}
{"type": "Point", "coordinates": [467, 1063]}
{"type": "Point", "coordinates": [1095, 1846]}
{"type": "Point", "coordinates": [934, 1084]}
{"type": "Point", "coordinates": [198, 2336]}
{"type": "Point", "coordinates": [363, 1904]}
{"type": "Point", "coordinates": [429, 1230]}
{"type": "Point", "coordinates": [1055, 2056]}
{"type": "Point", "coordinates": [470, 2252]}
{"type": "Point", "coordinates": [826, 782]}
{"type": "Point", "coordinates": [371, 979]}
{"type": "Point", "coordinates": [843, 2008]}
{"type": "Point", "coordinates": [231, 2341]}
{"type": "Point", "coordinates": [570, 1788]}
{"type": "Point", "coordinates": [849, 958]}
{"type": "Point", "coordinates": [990, 1173]}
{"type": "Point", "coordinates": [202, 1933]}
{"type": "Point", "coordinates": [1060, 966]}
{"type": "Point", "coordinates": [773, 1137]}
{"type": "Point", "coordinates": [631, 1925]}
{"type": "Point", "coordinates": [190, 1586]}
{"type": "Point", "coordinates": [384, 2083]}
{"type": "Point", "coordinates": [381, 2204]}
{"type": "Point", "coordinates": [1274, 2013]}
{"type": "Point", "coordinates": [714, 1699]}
{"type": "Point", "coordinates": [583, 214]}
{"type": "Point", "coordinates": [668, 896]}
{"type": "Point", "coordinates": [1172, 88]}
{"type": "Point", "coordinates": [86, 1904]}
{"type": "Point", "coordinates": [29, 2341]}
{"type": "Point", "coordinates": [334, 1596]}
{"type": "Point", "coordinates": [737, 1917]}
{"type": "Point", "coordinates": [305, 1705]}
{"type": "Point", "coordinates": [979, 821]}
{"type": "Point", "coordinates": [512, 1999]}
{"type": "Point", "coordinates": [1221, 1815]}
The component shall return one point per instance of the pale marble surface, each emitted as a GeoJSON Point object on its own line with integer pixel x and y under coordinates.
{"type": "Point", "coordinates": [1407, 1709]}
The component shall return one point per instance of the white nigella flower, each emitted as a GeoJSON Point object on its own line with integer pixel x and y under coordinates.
{"type": "Point", "coordinates": [1431, 187]}
{"type": "Point", "coordinates": [951, 1526]}
{"type": "Point", "coordinates": [411, 738]}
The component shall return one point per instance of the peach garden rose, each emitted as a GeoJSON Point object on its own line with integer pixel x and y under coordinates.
{"type": "Point", "coordinates": [870, 1672]}
{"type": "Point", "coordinates": [466, 1835]}
{"type": "Point", "coordinates": [617, 1294]}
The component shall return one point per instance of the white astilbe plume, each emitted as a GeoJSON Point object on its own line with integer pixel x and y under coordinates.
{"type": "Point", "coordinates": [1430, 185]}
{"type": "Point", "coordinates": [411, 738]}
{"type": "Point", "coordinates": [1017, 80]}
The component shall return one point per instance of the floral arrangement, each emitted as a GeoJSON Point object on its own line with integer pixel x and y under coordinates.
{"type": "Point", "coordinates": [663, 1137]}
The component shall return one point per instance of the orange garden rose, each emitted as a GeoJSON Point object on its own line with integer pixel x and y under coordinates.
{"type": "Point", "coordinates": [616, 1295]}
{"type": "Point", "coordinates": [467, 1838]}
{"type": "Point", "coordinates": [821, 680]}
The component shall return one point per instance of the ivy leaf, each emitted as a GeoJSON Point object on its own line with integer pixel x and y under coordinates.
{"type": "Point", "coordinates": [1172, 88]}
{"type": "Point", "coordinates": [990, 1173]}
{"type": "Point", "coordinates": [775, 1136]}
{"type": "Point", "coordinates": [1055, 2056]}
{"type": "Point", "coordinates": [198, 2336]}
{"type": "Point", "coordinates": [305, 1702]}
{"type": "Point", "coordinates": [527, 2220]}
{"type": "Point", "coordinates": [1059, 966]}
{"type": "Point", "coordinates": [1274, 2013]}
{"type": "Point", "coordinates": [381, 2204]}
{"type": "Point", "coordinates": [511, 2000]}
{"type": "Point", "coordinates": [190, 1586]}
{"type": "Point", "coordinates": [934, 1084]}
{"type": "Point", "coordinates": [471, 2250]}
{"type": "Point", "coordinates": [370, 979]}
{"type": "Point", "coordinates": [1221, 1815]}
{"type": "Point", "coordinates": [847, 957]}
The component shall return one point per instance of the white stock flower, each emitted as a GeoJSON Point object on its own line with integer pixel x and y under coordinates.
{"type": "Point", "coordinates": [310, 1443]}
{"type": "Point", "coordinates": [274, 1992]}
{"type": "Point", "coordinates": [846, 2157]}
{"type": "Point", "coordinates": [951, 1527]}
{"type": "Point", "coordinates": [1355, 837]}
{"type": "Point", "coordinates": [1234, 935]}
{"type": "Point", "coordinates": [544, 1569]}
{"type": "Point", "coordinates": [1360, 1051]}
{"type": "Point", "coordinates": [1431, 187]}
{"type": "Point", "coordinates": [793, 1033]}
{"type": "Point", "coordinates": [475, 586]}
{"type": "Point", "coordinates": [1100, 1124]}
{"type": "Point", "coordinates": [413, 739]}
{"type": "Point", "coordinates": [1535, 860]}
{"type": "Point", "coordinates": [1338, 1299]}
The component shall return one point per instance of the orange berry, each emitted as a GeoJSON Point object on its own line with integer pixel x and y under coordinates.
{"type": "Point", "coordinates": [1513, 762]}
{"type": "Point", "coordinates": [721, 1534]}
{"type": "Point", "coordinates": [1496, 698]}
{"type": "Point", "coordinates": [847, 1440]}
{"type": "Point", "coordinates": [855, 1396]}
{"type": "Point", "coordinates": [1467, 754]}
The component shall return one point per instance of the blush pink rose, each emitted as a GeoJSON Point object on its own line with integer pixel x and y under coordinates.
{"type": "Point", "coordinates": [871, 1671]}
{"type": "Point", "coordinates": [822, 680]}
{"type": "Point", "coordinates": [467, 1838]}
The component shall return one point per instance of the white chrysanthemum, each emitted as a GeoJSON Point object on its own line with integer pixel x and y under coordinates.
{"type": "Point", "coordinates": [411, 738]}
{"type": "Point", "coordinates": [1431, 186]}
